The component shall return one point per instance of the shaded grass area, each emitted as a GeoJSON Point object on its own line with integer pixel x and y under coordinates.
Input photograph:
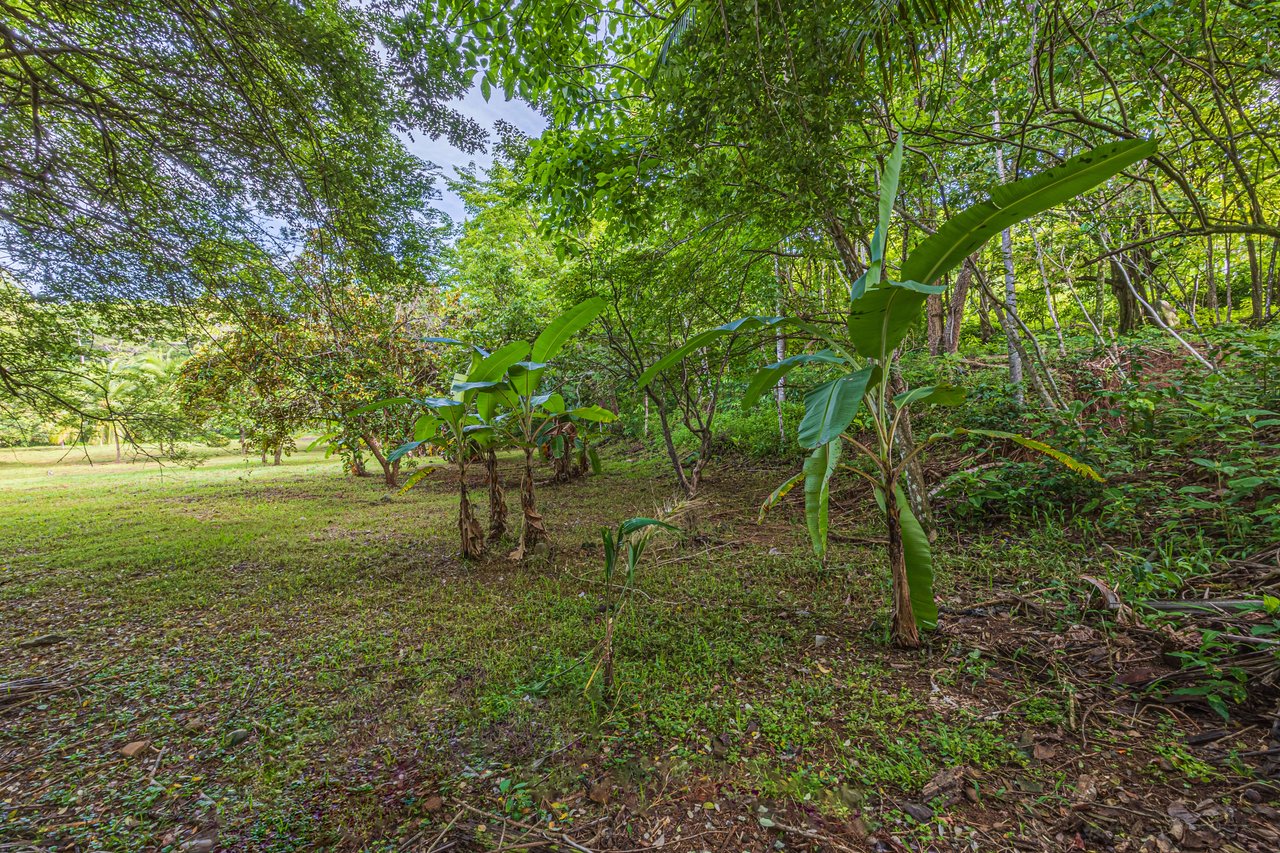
{"type": "Point", "coordinates": [312, 666]}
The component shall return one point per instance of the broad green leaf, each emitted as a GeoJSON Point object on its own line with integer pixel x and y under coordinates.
{"type": "Point", "coordinates": [888, 193]}
{"type": "Point", "coordinates": [1038, 446]}
{"type": "Point", "coordinates": [610, 553]}
{"type": "Point", "coordinates": [465, 388]}
{"type": "Point", "coordinates": [818, 468]}
{"type": "Point", "coordinates": [425, 427]}
{"type": "Point", "coordinates": [552, 403]}
{"type": "Point", "coordinates": [450, 409]}
{"type": "Point", "coordinates": [594, 413]}
{"type": "Point", "coordinates": [701, 339]}
{"type": "Point", "coordinates": [875, 269]}
{"type": "Point", "coordinates": [561, 329]}
{"type": "Point", "coordinates": [487, 404]}
{"type": "Point", "coordinates": [494, 366]}
{"type": "Point", "coordinates": [770, 375]}
{"type": "Point", "coordinates": [380, 404]}
{"type": "Point", "coordinates": [830, 407]}
{"type": "Point", "coordinates": [407, 447]}
{"type": "Point", "coordinates": [919, 559]}
{"type": "Point", "coordinates": [524, 377]}
{"type": "Point", "coordinates": [594, 458]}
{"type": "Point", "coordinates": [858, 287]}
{"type": "Point", "coordinates": [457, 343]}
{"type": "Point", "coordinates": [881, 318]}
{"type": "Point", "coordinates": [1009, 204]}
{"type": "Point", "coordinates": [937, 395]}
{"type": "Point", "coordinates": [880, 237]}
{"type": "Point", "coordinates": [459, 379]}
{"type": "Point", "coordinates": [631, 525]}
{"type": "Point", "coordinates": [777, 495]}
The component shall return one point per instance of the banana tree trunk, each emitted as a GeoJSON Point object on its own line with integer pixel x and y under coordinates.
{"type": "Point", "coordinates": [904, 631]}
{"type": "Point", "coordinates": [469, 532]}
{"type": "Point", "coordinates": [534, 530]}
{"type": "Point", "coordinates": [497, 497]}
{"type": "Point", "coordinates": [606, 675]}
{"type": "Point", "coordinates": [561, 464]}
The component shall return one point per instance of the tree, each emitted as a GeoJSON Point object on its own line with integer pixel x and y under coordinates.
{"type": "Point", "coordinates": [880, 313]}
{"type": "Point", "coordinates": [156, 151]}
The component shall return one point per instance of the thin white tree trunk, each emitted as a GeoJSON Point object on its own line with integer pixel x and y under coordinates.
{"type": "Point", "coordinates": [1010, 293]}
{"type": "Point", "coordinates": [780, 348]}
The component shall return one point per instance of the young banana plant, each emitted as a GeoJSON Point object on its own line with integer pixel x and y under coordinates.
{"type": "Point", "coordinates": [510, 380]}
{"type": "Point", "coordinates": [628, 542]}
{"type": "Point", "coordinates": [881, 312]}
{"type": "Point", "coordinates": [468, 422]}
{"type": "Point", "coordinates": [446, 418]}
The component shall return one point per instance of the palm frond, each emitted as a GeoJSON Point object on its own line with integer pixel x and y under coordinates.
{"type": "Point", "coordinates": [681, 24]}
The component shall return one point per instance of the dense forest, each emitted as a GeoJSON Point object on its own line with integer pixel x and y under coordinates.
{"type": "Point", "coordinates": [843, 426]}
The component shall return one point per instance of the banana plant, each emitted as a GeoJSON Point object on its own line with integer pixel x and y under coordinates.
{"type": "Point", "coordinates": [531, 421]}
{"type": "Point", "coordinates": [881, 312]}
{"type": "Point", "coordinates": [628, 541]}
{"type": "Point", "coordinates": [510, 381]}
{"type": "Point", "coordinates": [448, 418]}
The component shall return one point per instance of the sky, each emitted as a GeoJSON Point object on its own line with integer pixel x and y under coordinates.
{"type": "Point", "coordinates": [444, 155]}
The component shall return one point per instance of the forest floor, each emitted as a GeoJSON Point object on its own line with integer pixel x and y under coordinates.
{"type": "Point", "coordinates": [239, 657]}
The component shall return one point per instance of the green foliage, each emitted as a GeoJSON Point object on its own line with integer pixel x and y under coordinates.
{"type": "Point", "coordinates": [881, 311]}
{"type": "Point", "coordinates": [1187, 456]}
{"type": "Point", "coordinates": [946, 248]}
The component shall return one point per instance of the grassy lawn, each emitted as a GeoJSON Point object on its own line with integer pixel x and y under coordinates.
{"type": "Point", "coordinates": [312, 667]}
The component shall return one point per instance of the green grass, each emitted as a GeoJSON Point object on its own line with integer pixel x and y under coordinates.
{"type": "Point", "coordinates": [373, 669]}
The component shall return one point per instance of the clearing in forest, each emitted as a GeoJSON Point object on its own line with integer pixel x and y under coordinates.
{"type": "Point", "coordinates": [235, 657]}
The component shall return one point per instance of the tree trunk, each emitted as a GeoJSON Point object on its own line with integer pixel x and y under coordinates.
{"type": "Point", "coordinates": [1211, 281]}
{"type": "Point", "coordinates": [935, 329]}
{"type": "Point", "coordinates": [1010, 292]}
{"type": "Point", "coordinates": [1226, 277]}
{"type": "Point", "coordinates": [469, 532]}
{"type": "Point", "coordinates": [497, 497]}
{"type": "Point", "coordinates": [985, 329]}
{"type": "Point", "coordinates": [1255, 280]}
{"type": "Point", "coordinates": [244, 444]}
{"type": "Point", "coordinates": [1129, 316]}
{"type": "Point", "coordinates": [534, 531]}
{"type": "Point", "coordinates": [672, 453]}
{"type": "Point", "coordinates": [1011, 305]}
{"type": "Point", "coordinates": [955, 309]}
{"type": "Point", "coordinates": [780, 350]}
{"type": "Point", "coordinates": [115, 434]}
{"type": "Point", "coordinates": [1271, 278]}
{"type": "Point", "coordinates": [264, 453]}
{"type": "Point", "coordinates": [279, 456]}
{"type": "Point", "coordinates": [390, 472]}
{"type": "Point", "coordinates": [904, 631]}
{"type": "Point", "coordinates": [358, 466]}
{"type": "Point", "coordinates": [1048, 294]}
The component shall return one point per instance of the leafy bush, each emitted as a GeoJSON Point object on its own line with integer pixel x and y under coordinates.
{"type": "Point", "coordinates": [754, 432]}
{"type": "Point", "coordinates": [1181, 449]}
